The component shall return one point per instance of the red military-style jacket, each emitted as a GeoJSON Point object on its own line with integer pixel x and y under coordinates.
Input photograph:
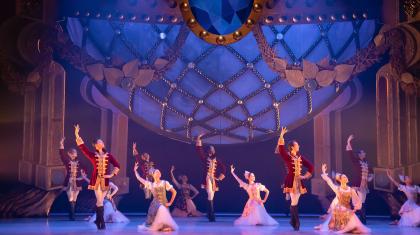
{"type": "Point", "coordinates": [294, 168]}
{"type": "Point", "coordinates": [213, 168]}
{"type": "Point", "coordinates": [73, 168]}
{"type": "Point", "coordinates": [361, 168]}
{"type": "Point", "coordinates": [101, 166]}
{"type": "Point", "coordinates": [145, 167]}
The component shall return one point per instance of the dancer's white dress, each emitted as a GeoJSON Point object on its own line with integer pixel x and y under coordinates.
{"type": "Point", "coordinates": [341, 218]}
{"type": "Point", "coordinates": [254, 212]}
{"type": "Point", "coordinates": [111, 214]}
{"type": "Point", "coordinates": [410, 211]}
{"type": "Point", "coordinates": [158, 215]}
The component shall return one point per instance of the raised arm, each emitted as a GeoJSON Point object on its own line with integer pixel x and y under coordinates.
{"type": "Point", "coordinates": [136, 154]}
{"type": "Point", "coordinates": [327, 179]}
{"type": "Point", "coordinates": [174, 179]}
{"type": "Point", "coordinates": [139, 178]}
{"type": "Point", "coordinates": [240, 182]}
{"type": "Point", "coordinates": [388, 173]}
{"type": "Point", "coordinates": [348, 146]}
{"type": "Point", "coordinates": [63, 157]}
{"type": "Point", "coordinates": [81, 144]}
{"type": "Point", "coordinates": [200, 149]}
{"type": "Point", "coordinates": [281, 150]}
{"type": "Point", "coordinates": [349, 150]}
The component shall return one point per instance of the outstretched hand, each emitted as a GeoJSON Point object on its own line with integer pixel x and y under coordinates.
{"type": "Point", "coordinates": [136, 166]}
{"type": "Point", "coordinates": [324, 168]}
{"type": "Point", "coordinates": [76, 129]}
{"type": "Point", "coordinates": [172, 169]}
{"type": "Point", "coordinates": [283, 131]}
{"type": "Point", "coordinates": [350, 138]}
{"type": "Point", "coordinates": [200, 136]}
{"type": "Point", "coordinates": [135, 152]}
{"type": "Point", "coordinates": [62, 140]}
{"type": "Point", "coordinates": [232, 168]}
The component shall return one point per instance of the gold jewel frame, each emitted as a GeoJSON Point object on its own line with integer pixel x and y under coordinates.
{"type": "Point", "coordinates": [199, 31]}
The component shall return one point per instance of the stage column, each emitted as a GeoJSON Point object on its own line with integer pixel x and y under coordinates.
{"type": "Point", "coordinates": [119, 139]}
{"type": "Point", "coordinates": [322, 154]}
{"type": "Point", "coordinates": [50, 172]}
{"type": "Point", "coordinates": [27, 162]}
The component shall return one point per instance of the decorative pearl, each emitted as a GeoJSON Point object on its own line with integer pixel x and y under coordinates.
{"type": "Point", "coordinates": [191, 65]}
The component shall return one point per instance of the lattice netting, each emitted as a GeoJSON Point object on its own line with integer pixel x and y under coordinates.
{"type": "Point", "coordinates": [227, 92]}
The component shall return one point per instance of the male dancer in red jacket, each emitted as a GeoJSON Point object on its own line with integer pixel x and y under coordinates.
{"type": "Point", "coordinates": [214, 171]}
{"type": "Point", "coordinates": [101, 161]}
{"type": "Point", "coordinates": [293, 182]}
{"type": "Point", "coordinates": [73, 180]}
{"type": "Point", "coordinates": [361, 166]}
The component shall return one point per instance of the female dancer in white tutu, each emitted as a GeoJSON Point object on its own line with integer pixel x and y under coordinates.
{"type": "Point", "coordinates": [410, 211]}
{"type": "Point", "coordinates": [334, 202]}
{"type": "Point", "coordinates": [184, 205]}
{"type": "Point", "coordinates": [111, 214]}
{"type": "Point", "coordinates": [343, 219]}
{"type": "Point", "coordinates": [158, 216]}
{"type": "Point", "coordinates": [254, 212]}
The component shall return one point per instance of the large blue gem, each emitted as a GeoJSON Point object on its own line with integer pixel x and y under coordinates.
{"type": "Point", "coordinates": [221, 16]}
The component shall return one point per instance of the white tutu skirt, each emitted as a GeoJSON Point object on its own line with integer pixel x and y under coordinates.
{"type": "Point", "coordinates": [353, 226]}
{"type": "Point", "coordinates": [162, 220]}
{"type": "Point", "coordinates": [110, 215]}
{"type": "Point", "coordinates": [255, 214]}
{"type": "Point", "coordinates": [410, 215]}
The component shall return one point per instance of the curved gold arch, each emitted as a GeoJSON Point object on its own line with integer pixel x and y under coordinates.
{"type": "Point", "coordinates": [199, 31]}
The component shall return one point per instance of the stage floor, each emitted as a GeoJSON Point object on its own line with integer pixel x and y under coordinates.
{"type": "Point", "coordinates": [58, 225]}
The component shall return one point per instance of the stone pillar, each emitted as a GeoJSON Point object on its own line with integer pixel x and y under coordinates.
{"type": "Point", "coordinates": [26, 164]}
{"type": "Point", "coordinates": [104, 129]}
{"type": "Point", "coordinates": [49, 171]}
{"type": "Point", "coordinates": [411, 143]}
{"type": "Point", "coordinates": [119, 138]}
{"type": "Point", "coordinates": [322, 153]}
{"type": "Point", "coordinates": [387, 127]}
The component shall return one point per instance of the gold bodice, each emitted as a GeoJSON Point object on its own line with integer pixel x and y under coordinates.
{"type": "Point", "coordinates": [159, 192]}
